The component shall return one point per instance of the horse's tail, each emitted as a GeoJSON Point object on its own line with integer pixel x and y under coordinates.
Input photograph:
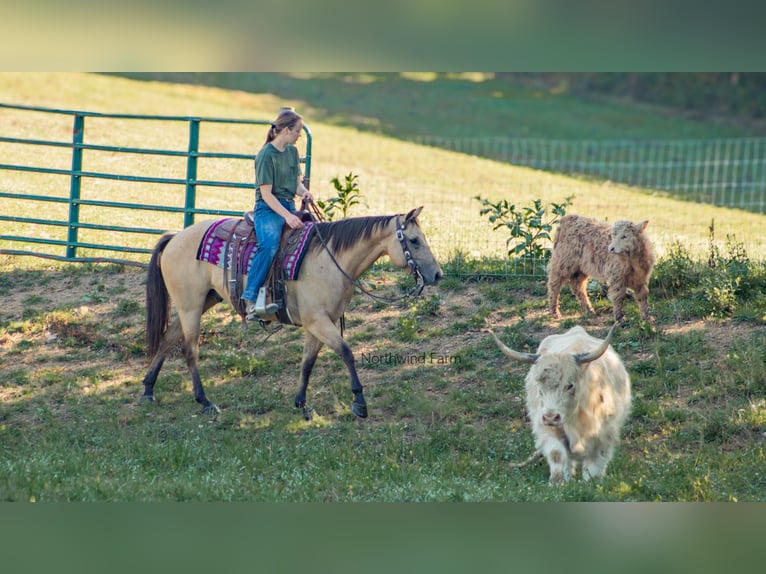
{"type": "Point", "coordinates": [157, 299]}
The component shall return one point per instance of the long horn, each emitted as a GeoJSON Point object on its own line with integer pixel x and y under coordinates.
{"type": "Point", "coordinates": [583, 358]}
{"type": "Point", "coordinates": [510, 353]}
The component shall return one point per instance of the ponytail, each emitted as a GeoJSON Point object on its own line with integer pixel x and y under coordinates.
{"type": "Point", "coordinates": [272, 133]}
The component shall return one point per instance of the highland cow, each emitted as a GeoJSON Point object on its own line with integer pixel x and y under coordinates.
{"type": "Point", "coordinates": [619, 255]}
{"type": "Point", "coordinates": [578, 398]}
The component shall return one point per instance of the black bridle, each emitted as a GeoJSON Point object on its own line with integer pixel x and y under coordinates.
{"type": "Point", "coordinates": [411, 264]}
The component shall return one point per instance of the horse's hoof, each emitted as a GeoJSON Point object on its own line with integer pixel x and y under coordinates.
{"type": "Point", "coordinates": [308, 412]}
{"type": "Point", "coordinates": [146, 399]}
{"type": "Point", "coordinates": [359, 410]}
{"type": "Point", "coordinates": [211, 409]}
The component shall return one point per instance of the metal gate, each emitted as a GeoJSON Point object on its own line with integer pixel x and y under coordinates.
{"type": "Point", "coordinates": [75, 189]}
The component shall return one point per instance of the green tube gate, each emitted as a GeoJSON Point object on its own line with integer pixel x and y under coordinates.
{"type": "Point", "coordinates": [20, 232]}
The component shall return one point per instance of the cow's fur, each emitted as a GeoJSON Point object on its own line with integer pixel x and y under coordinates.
{"type": "Point", "coordinates": [619, 255]}
{"type": "Point", "coordinates": [577, 409]}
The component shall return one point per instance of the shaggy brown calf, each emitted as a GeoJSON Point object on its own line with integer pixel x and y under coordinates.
{"type": "Point", "coordinates": [619, 255]}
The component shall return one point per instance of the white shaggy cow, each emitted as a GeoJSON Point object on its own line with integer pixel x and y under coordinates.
{"type": "Point", "coordinates": [578, 397]}
{"type": "Point", "coordinates": [619, 255]}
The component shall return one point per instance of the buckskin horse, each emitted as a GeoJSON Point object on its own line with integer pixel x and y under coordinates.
{"type": "Point", "coordinates": [337, 255]}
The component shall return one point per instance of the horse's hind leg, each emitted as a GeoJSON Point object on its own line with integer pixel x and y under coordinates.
{"type": "Point", "coordinates": [327, 333]}
{"type": "Point", "coordinates": [190, 348]}
{"type": "Point", "coordinates": [311, 347]}
{"type": "Point", "coordinates": [188, 328]}
{"type": "Point", "coordinates": [190, 324]}
{"type": "Point", "coordinates": [169, 339]}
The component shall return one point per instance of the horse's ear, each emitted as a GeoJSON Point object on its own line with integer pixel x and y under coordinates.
{"type": "Point", "coordinates": [412, 215]}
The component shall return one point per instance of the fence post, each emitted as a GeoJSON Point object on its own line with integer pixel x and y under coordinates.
{"type": "Point", "coordinates": [191, 172]}
{"type": "Point", "coordinates": [307, 170]}
{"type": "Point", "coordinates": [74, 185]}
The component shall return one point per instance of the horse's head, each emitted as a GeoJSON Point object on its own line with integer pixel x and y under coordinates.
{"type": "Point", "coordinates": [408, 247]}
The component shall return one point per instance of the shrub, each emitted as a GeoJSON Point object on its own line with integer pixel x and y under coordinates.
{"type": "Point", "coordinates": [731, 277]}
{"type": "Point", "coordinates": [716, 287]}
{"type": "Point", "coordinates": [529, 227]}
{"type": "Point", "coordinates": [720, 293]}
{"type": "Point", "coordinates": [676, 272]}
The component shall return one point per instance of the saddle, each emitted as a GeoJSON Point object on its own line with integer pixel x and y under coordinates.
{"type": "Point", "coordinates": [238, 236]}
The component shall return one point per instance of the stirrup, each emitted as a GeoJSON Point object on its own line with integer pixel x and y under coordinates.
{"type": "Point", "coordinates": [254, 312]}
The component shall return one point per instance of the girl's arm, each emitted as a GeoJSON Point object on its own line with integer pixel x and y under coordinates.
{"type": "Point", "coordinates": [292, 220]}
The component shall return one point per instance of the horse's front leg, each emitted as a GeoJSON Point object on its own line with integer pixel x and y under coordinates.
{"type": "Point", "coordinates": [311, 347]}
{"type": "Point", "coordinates": [328, 333]}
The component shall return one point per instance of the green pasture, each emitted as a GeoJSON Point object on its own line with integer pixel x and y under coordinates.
{"type": "Point", "coordinates": [448, 417]}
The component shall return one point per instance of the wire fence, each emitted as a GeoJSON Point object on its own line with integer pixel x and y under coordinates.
{"type": "Point", "coordinates": [692, 191]}
{"type": "Point", "coordinates": [722, 172]}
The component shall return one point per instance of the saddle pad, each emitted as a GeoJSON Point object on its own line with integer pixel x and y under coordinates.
{"type": "Point", "coordinates": [211, 250]}
{"type": "Point", "coordinates": [292, 255]}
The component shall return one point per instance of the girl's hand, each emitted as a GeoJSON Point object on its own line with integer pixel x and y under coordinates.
{"type": "Point", "coordinates": [294, 222]}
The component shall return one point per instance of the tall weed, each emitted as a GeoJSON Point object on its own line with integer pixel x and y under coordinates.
{"type": "Point", "coordinates": [347, 195]}
{"type": "Point", "coordinates": [717, 287]}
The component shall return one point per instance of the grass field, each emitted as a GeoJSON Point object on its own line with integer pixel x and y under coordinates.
{"type": "Point", "coordinates": [443, 428]}
{"type": "Point", "coordinates": [394, 175]}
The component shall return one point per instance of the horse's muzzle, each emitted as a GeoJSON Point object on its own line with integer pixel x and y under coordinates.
{"type": "Point", "coordinates": [437, 276]}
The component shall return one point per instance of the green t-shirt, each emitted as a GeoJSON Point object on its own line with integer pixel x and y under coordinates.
{"type": "Point", "coordinates": [279, 168]}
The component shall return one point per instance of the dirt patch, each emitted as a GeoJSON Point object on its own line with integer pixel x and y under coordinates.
{"type": "Point", "coordinates": [717, 334]}
{"type": "Point", "coordinates": [95, 298]}
{"type": "Point", "coordinates": [57, 290]}
{"type": "Point", "coordinates": [98, 294]}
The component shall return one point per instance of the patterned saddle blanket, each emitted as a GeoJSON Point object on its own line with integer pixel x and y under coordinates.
{"type": "Point", "coordinates": [230, 244]}
{"type": "Point", "coordinates": [220, 246]}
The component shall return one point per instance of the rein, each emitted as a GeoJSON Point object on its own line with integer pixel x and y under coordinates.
{"type": "Point", "coordinates": [411, 264]}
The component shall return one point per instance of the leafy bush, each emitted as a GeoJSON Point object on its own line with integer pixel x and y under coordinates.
{"type": "Point", "coordinates": [529, 226]}
{"type": "Point", "coordinates": [676, 273]}
{"type": "Point", "coordinates": [731, 278]}
{"type": "Point", "coordinates": [716, 287]}
{"type": "Point", "coordinates": [720, 293]}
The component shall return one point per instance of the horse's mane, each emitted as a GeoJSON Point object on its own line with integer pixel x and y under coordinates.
{"type": "Point", "coordinates": [343, 234]}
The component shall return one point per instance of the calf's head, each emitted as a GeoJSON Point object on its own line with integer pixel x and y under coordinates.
{"type": "Point", "coordinates": [626, 236]}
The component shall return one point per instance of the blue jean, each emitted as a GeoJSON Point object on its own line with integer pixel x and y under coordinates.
{"type": "Point", "coordinates": [268, 230]}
